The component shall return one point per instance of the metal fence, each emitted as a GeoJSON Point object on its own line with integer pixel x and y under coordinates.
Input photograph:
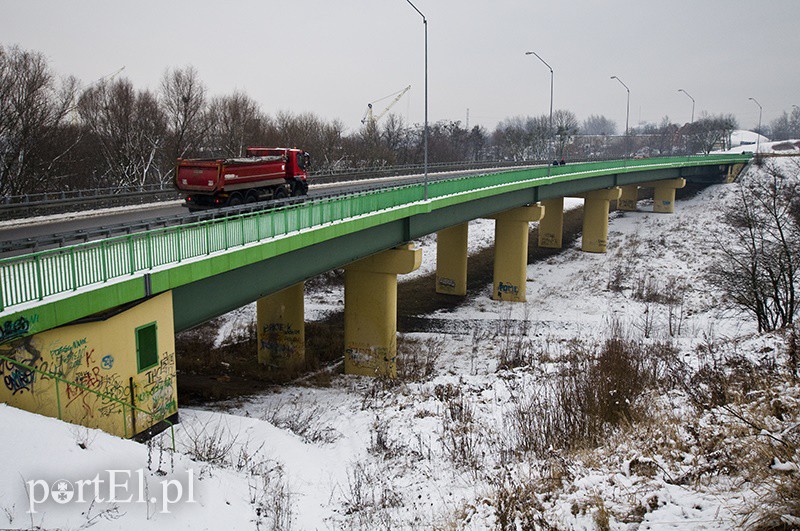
{"type": "Point", "coordinates": [38, 275]}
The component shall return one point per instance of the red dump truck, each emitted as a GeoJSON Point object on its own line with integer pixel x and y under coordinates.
{"type": "Point", "coordinates": [263, 173]}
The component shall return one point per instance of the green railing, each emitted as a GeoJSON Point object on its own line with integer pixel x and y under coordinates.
{"type": "Point", "coordinates": [34, 276]}
{"type": "Point", "coordinates": [126, 407]}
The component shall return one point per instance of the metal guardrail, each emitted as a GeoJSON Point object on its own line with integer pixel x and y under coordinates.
{"type": "Point", "coordinates": [38, 275]}
{"type": "Point", "coordinates": [63, 238]}
{"type": "Point", "coordinates": [104, 396]}
{"type": "Point", "coordinates": [21, 206]}
{"type": "Point", "coordinates": [28, 202]}
{"type": "Point", "coordinates": [357, 174]}
{"type": "Point", "coordinates": [44, 202]}
{"type": "Point", "coordinates": [91, 193]}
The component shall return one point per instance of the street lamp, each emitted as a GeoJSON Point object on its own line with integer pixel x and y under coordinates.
{"type": "Point", "coordinates": [627, 115]}
{"type": "Point", "coordinates": [758, 133]}
{"type": "Point", "coordinates": [425, 23]}
{"type": "Point", "coordinates": [552, 140]}
{"type": "Point", "coordinates": [691, 98]}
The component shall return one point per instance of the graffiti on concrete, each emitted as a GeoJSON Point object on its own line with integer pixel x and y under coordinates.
{"type": "Point", "coordinates": [68, 357]}
{"type": "Point", "coordinates": [281, 341]}
{"type": "Point", "coordinates": [507, 288]}
{"type": "Point", "coordinates": [19, 378]}
{"type": "Point", "coordinates": [107, 362]}
{"type": "Point", "coordinates": [13, 329]}
{"type": "Point", "coordinates": [445, 282]}
{"type": "Point", "coordinates": [155, 392]}
{"type": "Point", "coordinates": [371, 357]}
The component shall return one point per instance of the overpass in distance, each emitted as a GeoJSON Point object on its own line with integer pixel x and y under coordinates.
{"type": "Point", "coordinates": [87, 331]}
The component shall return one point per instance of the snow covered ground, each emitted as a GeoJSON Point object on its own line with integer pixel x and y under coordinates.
{"type": "Point", "coordinates": [461, 443]}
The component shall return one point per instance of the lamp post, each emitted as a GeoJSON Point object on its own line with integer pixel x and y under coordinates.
{"type": "Point", "coordinates": [691, 98]}
{"type": "Point", "coordinates": [425, 23]}
{"type": "Point", "coordinates": [552, 140]}
{"type": "Point", "coordinates": [627, 115]}
{"type": "Point", "coordinates": [758, 133]}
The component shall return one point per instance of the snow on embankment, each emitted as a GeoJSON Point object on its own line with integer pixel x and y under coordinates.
{"type": "Point", "coordinates": [45, 461]}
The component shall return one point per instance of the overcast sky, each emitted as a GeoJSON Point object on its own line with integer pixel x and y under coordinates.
{"type": "Point", "coordinates": [331, 57]}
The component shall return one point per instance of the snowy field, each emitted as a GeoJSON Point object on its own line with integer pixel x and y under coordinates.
{"type": "Point", "coordinates": [461, 442]}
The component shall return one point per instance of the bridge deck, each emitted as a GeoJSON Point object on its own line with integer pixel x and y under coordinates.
{"type": "Point", "coordinates": [218, 265]}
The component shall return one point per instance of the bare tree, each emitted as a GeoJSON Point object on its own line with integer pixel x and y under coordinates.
{"type": "Point", "coordinates": [523, 137]}
{"type": "Point", "coordinates": [183, 100]}
{"type": "Point", "coordinates": [34, 130]}
{"type": "Point", "coordinates": [786, 126]}
{"type": "Point", "coordinates": [760, 248]}
{"type": "Point", "coordinates": [234, 122]}
{"type": "Point", "coordinates": [129, 129]}
{"type": "Point", "coordinates": [598, 125]}
{"type": "Point", "coordinates": [565, 124]}
{"type": "Point", "coordinates": [711, 131]}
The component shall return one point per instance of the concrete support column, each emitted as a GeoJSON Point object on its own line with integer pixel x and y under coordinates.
{"type": "Point", "coordinates": [281, 329]}
{"type": "Point", "coordinates": [511, 252]}
{"type": "Point", "coordinates": [595, 219]}
{"type": "Point", "coordinates": [551, 226]}
{"type": "Point", "coordinates": [630, 196]}
{"type": "Point", "coordinates": [733, 172]}
{"type": "Point", "coordinates": [664, 195]}
{"type": "Point", "coordinates": [451, 260]}
{"type": "Point", "coordinates": [370, 310]}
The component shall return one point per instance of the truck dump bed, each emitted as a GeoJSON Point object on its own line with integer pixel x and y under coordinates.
{"type": "Point", "coordinates": [199, 175]}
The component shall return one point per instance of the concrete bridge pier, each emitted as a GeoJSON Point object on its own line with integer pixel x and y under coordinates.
{"type": "Point", "coordinates": [511, 251]}
{"type": "Point", "coordinates": [629, 198]}
{"type": "Point", "coordinates": [370, 310]}
{"type": "Point", "coordinates": [451, 260]}
{"type": "Point", "coordinates": [281, 329]}
{"type": "Point", "coordinates": [664, 194]}
{"type": "Point", "coordinates": [595, 219]}
{"type": "Point", "coordinates": [551, 226]}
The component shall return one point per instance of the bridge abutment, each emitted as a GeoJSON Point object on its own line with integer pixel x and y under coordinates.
{"type": "Point", "coordinates": [91, 372]}
{"type": "Point", "coordinates": [595, 219]}
{"type": "Point", "coordinates": [370, 310]}
{"type": "Point", "coordinates": [511, 251]}
{"type": "Point", "coordinates": [281, 329]}
{"type": "Point", "coordinates": [451, 260]}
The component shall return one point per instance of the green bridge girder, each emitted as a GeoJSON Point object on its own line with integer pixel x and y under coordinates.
{"type": "Point", "coordinates": [216, 266]}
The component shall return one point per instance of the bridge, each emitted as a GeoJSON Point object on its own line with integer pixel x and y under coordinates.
{"type": "Point", "coordinates": [87, 331]}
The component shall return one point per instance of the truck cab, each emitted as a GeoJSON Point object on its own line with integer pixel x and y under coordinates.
{"type": "Point", "coordinates": [297, 160]}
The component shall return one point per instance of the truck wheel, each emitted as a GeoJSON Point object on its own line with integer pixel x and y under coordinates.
{"type": "Point", "coordinates": [299, 188]}
{"type": "Point", "coordinates": [280, 193]}
{"type": "Point", "coordinates": [252, 197]}
{"type": "Point", "coordinates": [235, 200]}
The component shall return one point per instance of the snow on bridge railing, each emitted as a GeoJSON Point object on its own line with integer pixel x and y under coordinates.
{"type": "Point", "coordinates": [35, 276]}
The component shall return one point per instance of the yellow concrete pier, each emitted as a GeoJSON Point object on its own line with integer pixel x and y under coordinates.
{"type": "Point", "coordinates": [370, 310]}
{"type": "Point", "coordinates": [595, 219]}
{"type": "Point", "coordinates": [664, 194]}
{"type": "Point", "coordinates": [511, 251]}
{"type": "Point", "coordinates": [551, 226]}
{"type": "Point", "coordinates": [281, 329]}
{"type": "Point", "coordinates": [451, 260]}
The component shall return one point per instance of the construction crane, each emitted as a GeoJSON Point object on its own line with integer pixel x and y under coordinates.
{"type": "Point", "coordinates": [370, 118]}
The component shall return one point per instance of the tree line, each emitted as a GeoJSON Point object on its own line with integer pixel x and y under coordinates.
{"type": "Point", "coordinates": [56, 134]}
